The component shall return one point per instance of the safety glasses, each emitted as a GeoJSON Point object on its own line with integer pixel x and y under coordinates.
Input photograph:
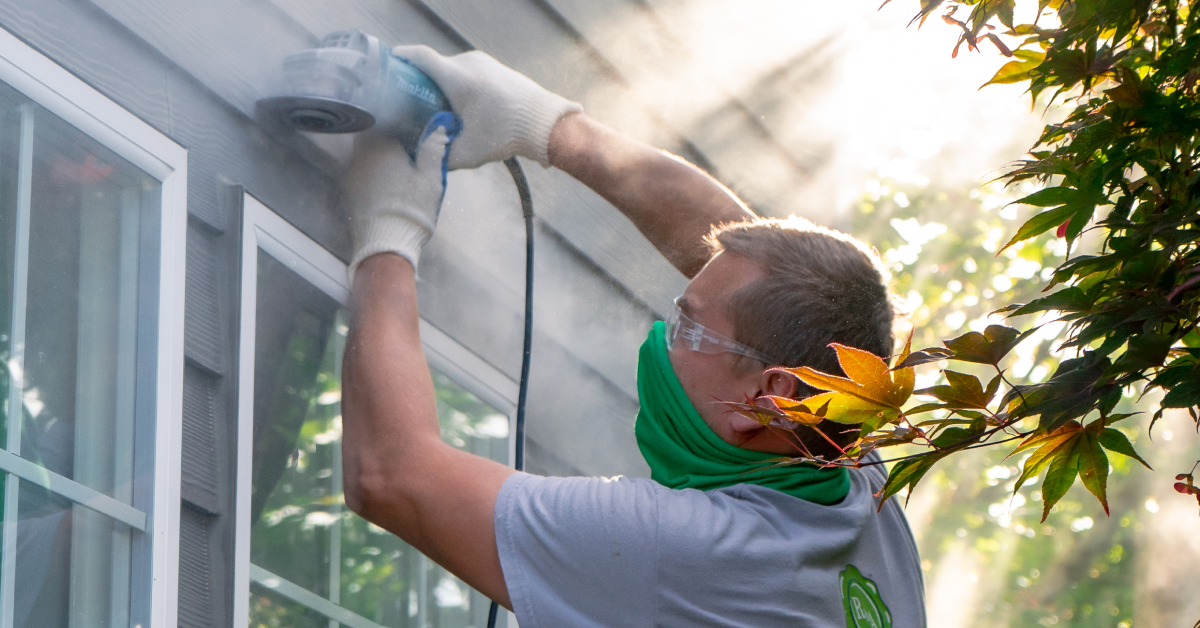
{"type": "Point", "coordinates": [697, 337]}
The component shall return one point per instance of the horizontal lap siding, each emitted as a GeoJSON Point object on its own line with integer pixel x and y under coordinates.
{"type": "Point", "coordinates": [193, 71]}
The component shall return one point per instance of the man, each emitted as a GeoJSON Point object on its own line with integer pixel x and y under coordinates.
{"type": "Point", "coordinates": [756, 545]}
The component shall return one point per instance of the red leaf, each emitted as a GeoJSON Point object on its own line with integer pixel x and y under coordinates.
{"type": "Point", "coordinates": [1004, 50]}
{"type": "Point", "coordinates": [1062, 229]}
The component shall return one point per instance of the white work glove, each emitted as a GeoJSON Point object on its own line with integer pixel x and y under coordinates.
{"type": "Point", "coordinates": [504, 113]}
{"type": "Point", "coordinates": [393, 203]}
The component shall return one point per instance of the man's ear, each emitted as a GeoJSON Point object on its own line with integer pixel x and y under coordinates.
{"type": "Point", "coordinates": [779, 384]}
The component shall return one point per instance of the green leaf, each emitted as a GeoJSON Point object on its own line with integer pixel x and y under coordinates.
{"type": "Point", "coordinates": [1120, 416]}
{"type": "Point", "coordinates": [1183, 395]}
{"type": "Point", "coordinates": [1049, 197]}
{"type": "Point", "coordinates": [988, 347]}
{"type": "Point", "coordinates": [1040, 224]}
{"type": "Point", "coordinates": [1145, 351]}
{"type": "Point", "coordinates": [1093, 467]}
{"type": "Point", "coordinates": [924, 356]}
{"type": "Point", "coordinates": [1061, 475]}
{"type": "Point", "coordinates": [1072, 299]}
{"type": "Point", "coordinates": [952, 436]}
{"type": "Point", "coordinates": [1013, 72]}
{"type": "Point", "coordinates": [1075, 389]}
{"type": "Point", "coordinates": [1113, 439]}
{"type": "Point", "coordinates": [924, 407]}
{"type": "Point", "coordinates": [992, 387]}
{"type": "Point", "coordinates": [1005, 12]}
{"type": "Point", "coordinates": [962, 391]}
{"type": "Point", "coordinates": [1048, 446]}
{"type": "Point", "coordinates": [907, 473]}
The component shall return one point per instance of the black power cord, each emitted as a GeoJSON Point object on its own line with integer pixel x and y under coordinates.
{"type": "Point", "coordinates": [522, 184]}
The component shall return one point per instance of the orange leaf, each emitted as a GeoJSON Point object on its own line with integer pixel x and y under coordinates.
{"type": "Point", "coordinates": [823, 381]}
{"type": "Point", "coordinates": [864, 367]}
{"type": "Point", "coordinates": [871, 372]}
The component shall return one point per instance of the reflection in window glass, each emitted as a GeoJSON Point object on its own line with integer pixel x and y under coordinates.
{"type": "Point", "coordinates": [272, 609]}
{"type": "Point", "coordinates": [81, 206]}
{"type": "Point", "coordinates": [72, 232]}
{"type": "Point", "coordinates": [68, 570]}
{"type": "Point", "coordinates": [301, 531]}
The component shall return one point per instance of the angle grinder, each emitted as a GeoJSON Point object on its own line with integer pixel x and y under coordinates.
{"type": "Point", "coordinates": [352, 82]}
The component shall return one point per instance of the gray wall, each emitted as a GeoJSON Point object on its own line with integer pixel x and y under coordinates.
{"type": "Point", "coordinates": [193, 70]}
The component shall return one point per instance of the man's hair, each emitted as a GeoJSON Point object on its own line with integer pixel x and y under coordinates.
{"type": "Point", "coordinates": [819, 286]}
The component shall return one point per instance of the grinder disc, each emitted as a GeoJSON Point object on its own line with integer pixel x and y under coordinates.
{"type": "Point", "coordinates": [317, 114]}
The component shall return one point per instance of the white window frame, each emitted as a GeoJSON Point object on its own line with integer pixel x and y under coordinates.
{"type": "Point", "coordinates": [43, 81]}
{"type": "Point", "coordinates": [266, 230]}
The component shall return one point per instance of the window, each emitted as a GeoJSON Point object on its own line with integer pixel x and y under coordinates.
{"type": "Point", "coordinates": [91, 231]}
{"type": "Point", "coordinates": [304, 559]}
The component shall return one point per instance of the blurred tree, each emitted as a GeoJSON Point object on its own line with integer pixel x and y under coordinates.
{"type": "Point", "coordinates": [1122, 166]}
{"type": "Point", "coordinates": [940, 245]}
{"type": "Point", "coordinates": [1106, 261]}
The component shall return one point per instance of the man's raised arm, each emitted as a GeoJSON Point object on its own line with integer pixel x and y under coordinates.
{"type": "Point", "coordinates": [398, 472]}
{"type": "Point", "coordinates": [504, 113]}
{"type": "Point", "coordinates": [672, 202]}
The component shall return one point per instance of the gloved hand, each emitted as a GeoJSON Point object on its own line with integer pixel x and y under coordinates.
{"type": "Point", "coordinates": [393, 202]}
{"type": "Point", "coordinates": [504, 113]}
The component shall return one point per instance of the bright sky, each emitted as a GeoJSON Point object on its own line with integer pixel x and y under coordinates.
{"type": "Point", "coordinates": [895, 99]}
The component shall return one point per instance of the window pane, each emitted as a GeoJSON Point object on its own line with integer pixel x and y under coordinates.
{"type": "Point", "coordinates": [82, 206]}
{"type": "Point", "coordinates": [300, 527]}
{"type": "Point", "coordinates": [296, 420]}
{"type": "Point", "coordinates": [268, 609]}
{"type": "Point", "coordinates": [73, 564]}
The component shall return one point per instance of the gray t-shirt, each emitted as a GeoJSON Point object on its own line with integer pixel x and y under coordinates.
{"type": "Point", "coordinates": [584, 552]}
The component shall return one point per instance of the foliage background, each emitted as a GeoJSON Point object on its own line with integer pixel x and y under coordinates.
{"type": "Point", "coordinates": [988, 562]}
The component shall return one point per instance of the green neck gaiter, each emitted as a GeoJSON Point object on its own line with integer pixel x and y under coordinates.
{"type": "Point", "coordinates": [683, 452]}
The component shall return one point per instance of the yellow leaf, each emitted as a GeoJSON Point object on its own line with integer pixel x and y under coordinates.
{"type": "Point", "coordinates": [905, 379]}
{"type": "Point", "coordinates": [824, 381]}
{"type": "Point", "coordinates": [793, 408]}
{"type": "Point", "coordinates": [870, 391]}
{"type": "Point", "coordinates": [783, 403]}
{"type": "Point", "coordinates": [845, 408]}
{"type": "Point", "coordinates": [806, 418]}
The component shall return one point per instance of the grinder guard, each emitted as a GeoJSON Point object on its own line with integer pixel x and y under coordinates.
{"type": "Point", "coordinates": [352, 82]}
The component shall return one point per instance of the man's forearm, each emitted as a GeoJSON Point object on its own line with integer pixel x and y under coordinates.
{"type": "Point", "coordinates": [673, 203]}
{"type": "Point", "coordinates": [384, 371]}
{"type": "Point", "coordinates": [397, 471]}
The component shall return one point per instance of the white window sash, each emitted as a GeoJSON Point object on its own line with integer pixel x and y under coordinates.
{"type": "Point", "coordinates": [264, 229]}
{"type": "Point", "coordinates": [43, 81]}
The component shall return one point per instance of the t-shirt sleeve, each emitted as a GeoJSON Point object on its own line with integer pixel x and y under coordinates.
{"type": "Point", "coordinates": [578, 552]}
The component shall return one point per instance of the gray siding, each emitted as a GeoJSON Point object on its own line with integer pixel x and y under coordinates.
{"type": "Point", "coordinates": [193, 70]}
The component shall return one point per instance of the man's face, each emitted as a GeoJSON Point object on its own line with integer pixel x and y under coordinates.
{"type": "Point", "coordinates": [709, 379]}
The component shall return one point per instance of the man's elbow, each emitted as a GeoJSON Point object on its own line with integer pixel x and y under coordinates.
{"type": "Point", "coordinates": [370, 490]}
{"type": "Point", "coordinates": [353, 493]}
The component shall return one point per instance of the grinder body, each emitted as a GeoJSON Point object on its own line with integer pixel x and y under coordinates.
{"type": "Point", "coordinates": [352, 82]}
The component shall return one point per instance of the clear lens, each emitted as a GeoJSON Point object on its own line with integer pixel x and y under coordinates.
{"type": "Point", "coordinates": [699, 338]}
{"type": "Point", "coordinates": [672, 326]}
